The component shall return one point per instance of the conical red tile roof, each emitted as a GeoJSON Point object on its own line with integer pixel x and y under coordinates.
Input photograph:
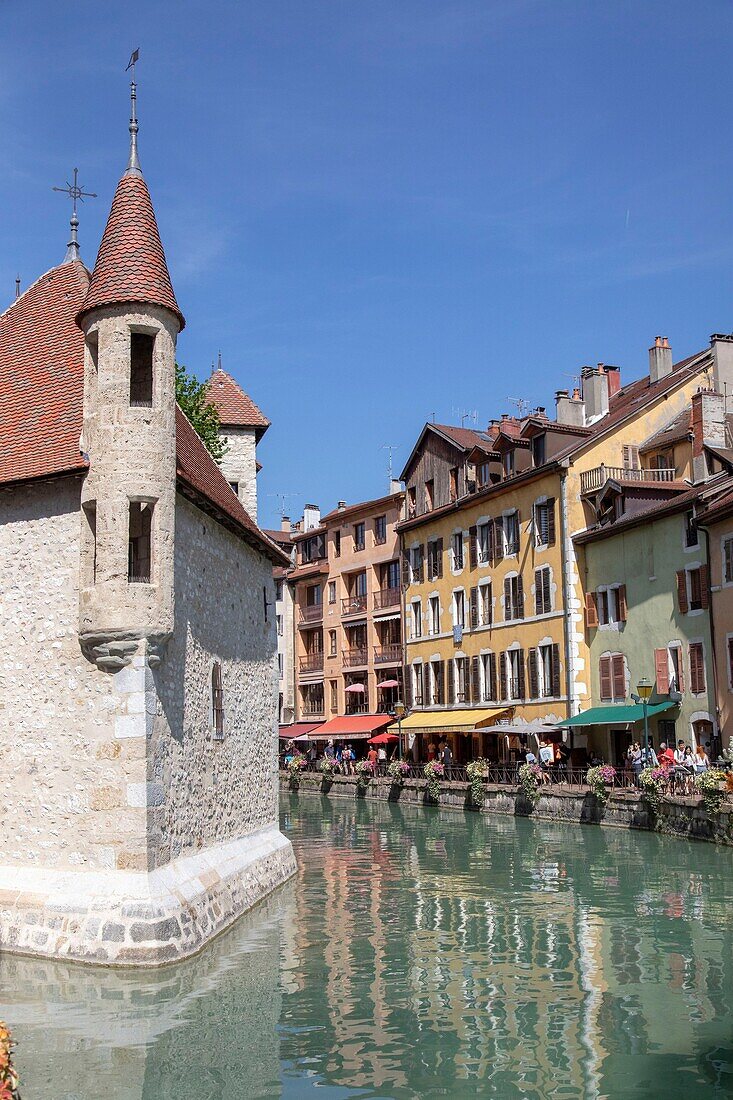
{"type": "Point", "coordinates": [235, 407]}
{"type": "Point", "coordinates": [131, 263]}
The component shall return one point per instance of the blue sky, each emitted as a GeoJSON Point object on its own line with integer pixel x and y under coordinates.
{"type": "Point", "coordinates": [384, 211]}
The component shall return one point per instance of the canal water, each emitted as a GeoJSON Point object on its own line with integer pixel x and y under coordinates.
{"type": "Point", "coordinates": [418, 953]}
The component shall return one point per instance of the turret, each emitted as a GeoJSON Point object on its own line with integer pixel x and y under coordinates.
{"type": "Point", "coordinates": [131, 320]}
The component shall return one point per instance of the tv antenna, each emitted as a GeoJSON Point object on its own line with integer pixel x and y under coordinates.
{"type": "Point", "coordinates": [575, 378]}
{"type": "Point", "coordinates": [282, 497]}
{"type": "Point", "coordinates": [522, 405]}
{"type": "Point", "coordinates": [466, 414]}
{"type": "Point", "coordinates": [389, 448]}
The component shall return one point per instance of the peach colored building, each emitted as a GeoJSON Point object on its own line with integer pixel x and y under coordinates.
{"type": "Point", "coordinates": [348, 610]}
{"type": "Point", "coordinates": [717, 522]}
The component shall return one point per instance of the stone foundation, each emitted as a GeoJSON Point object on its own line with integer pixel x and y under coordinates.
{"type": "Point", "coordinates": [124, 918]}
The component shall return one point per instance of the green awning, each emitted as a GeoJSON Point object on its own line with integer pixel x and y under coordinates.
{"type": "Point", "coordinates": [616, 715]}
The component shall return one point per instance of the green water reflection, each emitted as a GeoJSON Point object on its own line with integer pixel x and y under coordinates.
{"type": "Point", "coordinates": [417, 953]}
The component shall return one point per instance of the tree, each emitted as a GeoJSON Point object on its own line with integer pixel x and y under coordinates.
{"type": "Point", "coordinates": [193, 398]}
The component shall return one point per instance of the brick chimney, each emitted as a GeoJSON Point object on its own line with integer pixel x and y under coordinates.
{"type": "Point", "coordinates": [708, 428]}
{"type": "Point", "coordinates": [660, 359]}
{"type": "Point", "coordinates": [569, 410]}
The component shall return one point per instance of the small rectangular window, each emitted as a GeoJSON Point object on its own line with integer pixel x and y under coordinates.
{"type": "Point", "coordinates": [332, 643]}
{"type": "Point", "coordinates": [538, 450]}
{"type": "Point", "coordinates": [332, 591]}
{"type": "Point", "coordinates": [691, 538]}
{"type": "Point", "coordinates": [234, 486]}
{"type": "Point", "coordinates": [217, 702]}
{"type": "Point", "coordinates": [728, 561]}
{"type": "Point", "coordinates": [380, 530]}
{"type": "Point", "coordinates": [141, 369]}
{"type": "Point", "coordinates": [90, 512]}
{"type": "Point", "coordinates": [139, 557]}
{"type": "Point", "coordinates": [359, 537]}
{"type": "Point", "coordinates": [453, 477]}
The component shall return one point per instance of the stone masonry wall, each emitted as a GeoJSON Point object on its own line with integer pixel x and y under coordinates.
{"type": "Point", "coordinates": [69, 769]}
{"type": "Point", "coordinates": [240, 464]}
{"type": "Point", "coordinates": [202, 791]}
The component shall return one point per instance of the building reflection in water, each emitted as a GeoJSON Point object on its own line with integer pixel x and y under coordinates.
{"type": "Point", "coordinates": [416, 954]}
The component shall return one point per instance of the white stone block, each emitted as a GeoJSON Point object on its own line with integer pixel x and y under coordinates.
{"type": "Point", "coordinates": [129, 725]}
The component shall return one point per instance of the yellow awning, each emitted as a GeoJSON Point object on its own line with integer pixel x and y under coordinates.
{"type": "Point", "coordinates": [450, 721]}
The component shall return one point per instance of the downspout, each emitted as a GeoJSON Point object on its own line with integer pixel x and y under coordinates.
{"type": "Point", "coordinates": [566, 592]}
{"type": "Point", "coordinates": [713, 649]}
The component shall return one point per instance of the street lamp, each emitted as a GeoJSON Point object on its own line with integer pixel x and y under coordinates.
{"type": "Point", "coordinates": [399, 710]}
{"type": "Point", "coordinates": [644, 688]}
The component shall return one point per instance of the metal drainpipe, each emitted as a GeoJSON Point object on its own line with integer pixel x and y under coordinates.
{"type": "Point", "coordinates": [565, 590]}
{"type": "Point", "coordinates": [711, 624]}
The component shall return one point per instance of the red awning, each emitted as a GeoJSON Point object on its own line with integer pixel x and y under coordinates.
{"type": "Point", "coordinates": [298, 729]}
{"type": "Point", "coordinates": [352, 727]}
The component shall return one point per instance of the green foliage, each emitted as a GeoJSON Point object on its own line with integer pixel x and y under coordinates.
{"type": "Point", "coordinates": [328, 767]}
{"type": "Point", "coordinates": [476, 772]}
{"type": "Point", "coordinates": [652, 782]}
{"type": "Point", "coordinates": [434, 772]}
{"type": "Point", "coordinates": [530, 781]}
{"type": "Point", "coordinates": [711, 785]}
{"type": "Point", "coordinates": [193, 398]}
{"type": "Point", "coordinates": [364, 774]}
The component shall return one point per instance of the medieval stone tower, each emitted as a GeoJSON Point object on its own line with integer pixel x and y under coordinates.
{"type": "Point", "coordinates": [130, 319]}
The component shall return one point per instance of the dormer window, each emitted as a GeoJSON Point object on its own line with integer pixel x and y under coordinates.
{"type": "Point", "coordinates": [508, 463]}
{"type": "Point", "coordinates": [539, 449]}
{"type": "Point", "coordinates": [142, 345]}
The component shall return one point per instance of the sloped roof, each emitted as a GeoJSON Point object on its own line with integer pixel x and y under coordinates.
{"type": "Point", "coordinates": [235, 407]}
{"type": "Point", "coordinates": [131, 265]}
{"type": "Point", "coordinates": [677, 429]}
{"type": "Point", "coordinates": [465, 439]}
{"type": "Point", "coordinates": [42, 377]}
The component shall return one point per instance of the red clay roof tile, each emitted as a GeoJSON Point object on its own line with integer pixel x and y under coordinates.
{"type": "Point", "coordinates": [235, 408]}
{"type": "Point", "coordinates": [131, 264]}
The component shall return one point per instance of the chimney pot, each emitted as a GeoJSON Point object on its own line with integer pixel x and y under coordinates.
{"type": "Point", "coordinates": [341, 505]}
{"type": "Point", "coordinates": [660, 359]}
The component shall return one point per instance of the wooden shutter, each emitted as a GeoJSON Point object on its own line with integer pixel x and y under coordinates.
{"type": "Point", "coordinates": [622, 603]}
{"type": "Point", "coordinates": [476, 679]}
{"type": "Point", "coordinates": [502, 676]}
{"type": "Point", "coordinates": [421, 562]}
{"type": "Point", "coordinates": [631, 456]}
{"type": "Point", "coordinates": [440, 681]}
{"type": "Point", "coordinates": [520, 596]}
{"type": "Point", "coordinates": [439, 558]}
{"type": "Point", "coordinates": [550, 521]}
{"type": "Point", "coordinates": [591, 611]}
{"type": "Point", "coordinates": [681, 676]}
{"type": "Point", "coordinates": [546, 590]}
{"type": "Point", "coordinates": [534, 687]}
{"type": "Point", "coordinates": [474, 608]}
{"type": "Point", "coordinates": [682, 591]}
{"type": "Point", "coordinates": [556, 691]}
{"type": "Point", "coordinates": [704, 586]}
{"type": "Point", "coordinates": [697, 668]}
{"type": "Point", "coordinates": [604, 669]}
{"type": "Point", "coordinates": [498, 539]}
{"type": "Point", "coordinates": [405, 568]}
{"type": "Point", "coordinates": [520, 666]}
{"type": "Point", "coordinates": [472, 547]}
{"type": "Point", "coordinates": [490, 540]}
{"type": "Point", "coordinates": [491, 686]}
{"type": "Point", "coordinates": [420, 686]}
{"type": "Point", "coordinates": [619, 677]}
{"type": "Point", "coordinates": [451, 686]}
{"type": "Point", "coordinates": [508, 609]}
{"type": "Point", "coordinates": [661, 671]}
{"type": "Point", "coordinates": [408, 688]}
{"type": "Point", "coordinates": [538, 594]}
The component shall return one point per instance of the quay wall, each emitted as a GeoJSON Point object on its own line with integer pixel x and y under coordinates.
{"type": "Point", "coordinates": [677, 816]}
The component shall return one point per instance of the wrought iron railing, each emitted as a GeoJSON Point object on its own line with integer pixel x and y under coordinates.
{"type": "Point", "coordinates": [312, 663]}
{"type": "Point", "coordinates": [311, 613]}
{"type": "Point", "coordinates": [386, 597]}
{"type": "Point", "coordinates": [356, 656]}
{"type": "Point", "coordinates": [388, 654]}
{"type": "Point", "coordinates": [353, 605]}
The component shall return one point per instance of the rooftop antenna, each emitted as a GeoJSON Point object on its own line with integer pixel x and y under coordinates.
{"type": "Point", "coordinates": [17, 286]}
{"type": "Point", "coordinates": [522, 405]}
{"type": "Point", "coordinates": [133, 164]}
{"type": "Point", "coordinates": [282, 497]}
{"type": "Point", "coordinates": [472, 414]}
{"type": "Point", "coordinates": [76, 194]}
{"type": "Point", "coordinates": [575, 379]}
{"type": "Point", "coordinates": [389, 447]}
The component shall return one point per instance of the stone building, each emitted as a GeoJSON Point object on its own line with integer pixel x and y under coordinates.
{"type": "Point", "coordinates": [242, 427]}
{"type": "Point", "coordinates": [137, 640]}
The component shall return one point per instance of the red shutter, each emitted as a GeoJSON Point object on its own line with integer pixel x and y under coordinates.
{"type": "Point", "coordinates": [476, 679]}
{"type": "Point", "coordinates": [682, 591]}
{"type": "Point", "coordinates": [534, 689]}
{"type": "Point", "coordinates": [522, 684]}
{"type": "Point", "coordinates": [472, 547]}
{"type": "Point", "coordinates": [697, 669]}
{"type": "Point", "coordinates": [591, 611]}
{"type": "Point", "coordinates": [474, 608]}
{"type": "Point", "coordinates": [619, 677]}
{"type": "Point", "coordinates": [556, 671]}
{"type": "Point", "coordinates": [622, 603]}
{"type": "Point", "coordinates": [604, 668]}
{"type": "Point", "coordinates": [704, 586]}
{"type": "Point", "coordinates": [661, 671]}
{"type": "Point", "coordinates": [550, 521]}
{"type": "Point", "coordinates": [520, 596]}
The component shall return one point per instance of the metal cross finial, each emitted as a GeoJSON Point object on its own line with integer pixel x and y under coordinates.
{"type": "Point", "coordinates": [76, 194]}
{"type": "Point", "coordinates": [133, 164]}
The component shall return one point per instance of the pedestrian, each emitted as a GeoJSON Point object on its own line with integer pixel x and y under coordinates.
{"type": "Point", "coordinates": [382, 759]}
{"type": "Point", "coordinates": [431, 751]}
{"type": "Point", "coordinates": [312, 753]}
{"type": "Point", "coordinates": [373, 756]}
{"type": "Point", "coordinates": [701, 761]}
{"type": "Point", "coordinates": [633, 756]}
{"type": "Point", "coordinates": [547, 756]}
{"type": "Point", "coordinates": [688, 763]}
{"type": "Point", "coordinates": [328, 751]}
{"type": "Point", "coordinates": [447, 759]}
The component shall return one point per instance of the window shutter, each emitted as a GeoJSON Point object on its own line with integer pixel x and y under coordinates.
{"type": "Point", "coordinates": [451, 697]}
{"type": "Point", "coordinates": [508, 609]}
{"type": "Point", "coordinates": [681, 676]}
{"type": "Point", "coordinates": [440, 682]}
{"type": "Point", "coordinates": [419, 685]}
{"type": "Point", "coordinates": [630, 456]}
{"type": "Point", "coordinates": [697, 669]}
{"type": "Point", "coordinates": [661, 671]}
{"type": "Point", "coordinates": [538, 594]}
{"type": "Point", "coordinates": [604, 668]}
{"type": "Point", "coordinates": [502, 676]}
{"type": "Point", "coordinates": [491, 686]}
{"type": "Point", "coordinates": [421, 563]}
{"type": "Point", "coordinates": [408, 689]}
{"type": "Point", "coordinates": [490, 540]}
{"type": "Point", "coordinates": [546, 590]}
{"type": "Point", "coordinates": [520, 597]}
{"type": "Point", "coordinates": [619, 677]}
{"type": "Point", "coordinates": [474, 608]}
{"type": "Point", "coordinates": [522, 684]}
{"type": "Point", "coordinates": [498, 539]}
{"type": "Point", "coordinates": [472, 547]}
{"type": "Point", "coordinates": [704, 586]}
{"type": "Point", "coordinates": [556, 691]}
{"type": "Point", "coordinates": [534, 689]}
{"type": "Point", "coordinates": [622, 603]}
{"type": "Point", "coordinates": [591, 613]}
{"type": "Point", "coordinates": [405, 568]}
{"type": "Point", "coordinates": [439, 558]}
{"type": "Point", "coordinates": [550, 521]}
{"type": "Point", "coordinates": [476, 679]}
{"type": "Point", "coordinates": [682, 591]}
{"type": "Point", "coordinates": [693, 669]}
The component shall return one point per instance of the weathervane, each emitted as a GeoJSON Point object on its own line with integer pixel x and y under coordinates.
{"type": "Point", "coordinates": [133, 165]}
{"type": "Point", "coordinates": [76, 194]}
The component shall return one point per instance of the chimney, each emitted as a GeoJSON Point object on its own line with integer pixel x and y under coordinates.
{"type": "Point", "coordinates": [311, 516]}
{"type": "Point", "coordinates": [285, 524]}
{"type": "Point", "coordinates": [569, 410]}
{"type": "Point", "coordinates": [708, 428]}
{"type": "Point", "coordinates": [341, 505]}
{"type": "Point", "coordinates": [395, 487]}
{"type": "Point", "coordinates": [660, 359]}
{"type": "Point", "coordinates": [594, 381]}
{"type": "Point", "coordinates": [722, 348]}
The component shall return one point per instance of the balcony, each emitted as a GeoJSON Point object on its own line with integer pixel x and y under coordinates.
{"type": "Point", "coordinates": [313, 662]}
{"type": "Point", "coordinates": [357, 708]}
{"type": "Point", "coordinates": [354, 657]}
{"type": "Point", "coordinates": [312, 709]}
{"type": "Point", "coordinates": [594, 479]}
{"type": "Point", "coordinates": [386, 597]}
{"type": "Point", "coordinates": [388, 654]}
{"type": "Point", "coordinates": [311, 613]}
{"type": "Point", "coordinates": [354, 605]}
